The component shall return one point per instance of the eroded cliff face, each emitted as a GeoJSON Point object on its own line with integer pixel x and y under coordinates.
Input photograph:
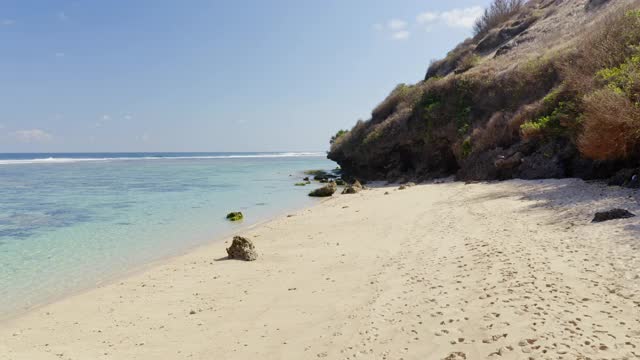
{"type": "Point", "coordinates": [523, 99]}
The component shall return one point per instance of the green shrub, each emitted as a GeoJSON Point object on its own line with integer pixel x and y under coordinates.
{"type": "Point", "coordinates": [563, 117]}
{"type": "Point", "coordinates": [338, 135]}
{"type": "Point", "coordinates": [467, 147]}
{"type": "Point", "coordinates": [623, 79]}
{"type": "Point", "coordinates": [462, 106]}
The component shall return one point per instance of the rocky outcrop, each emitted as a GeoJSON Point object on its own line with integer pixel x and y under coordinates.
{"type": "Point", "coordinates": [242, 249]}
{"type": "Point", "coordinates": [325, 191]}
{"type": "Point", "coordinates": [541, 166]}
{"type": "Point", "coordinates": [498, 106]}
{"type": "Point", "coordinates": [612, 215]}
{"type": "Point", "coordinates": [497, 37]}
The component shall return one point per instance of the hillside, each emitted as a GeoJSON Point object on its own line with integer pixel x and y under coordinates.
{"type": "Point", "coordinates": [544, 89]}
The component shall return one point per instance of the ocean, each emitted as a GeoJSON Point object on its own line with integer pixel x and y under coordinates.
{"type": "Point", "coordinates": [69, 221]}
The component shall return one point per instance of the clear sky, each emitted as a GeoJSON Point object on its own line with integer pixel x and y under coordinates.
{"type": "Point", "coordinates": [242, 75]}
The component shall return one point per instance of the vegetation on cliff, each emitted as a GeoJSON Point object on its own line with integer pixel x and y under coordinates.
{"type": "Point", "coordinates": [545, 88]}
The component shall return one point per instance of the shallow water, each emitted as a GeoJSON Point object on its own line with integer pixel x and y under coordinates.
{"type": "Point", "coordinates": [68, 221]}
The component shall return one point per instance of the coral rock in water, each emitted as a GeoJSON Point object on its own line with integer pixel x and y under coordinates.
{"type": "Point", "coordinates": [235, 216]}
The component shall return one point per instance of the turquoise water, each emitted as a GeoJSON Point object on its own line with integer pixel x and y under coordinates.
{"type": "Point", "coordinates": [69, 221]}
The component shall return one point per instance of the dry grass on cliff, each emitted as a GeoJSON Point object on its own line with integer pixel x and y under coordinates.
{"type": "Point", "coordinates": [611, 126]}
{"type": "Point", "coordinates": [611, 116]}
{"type": "Point", "coordinates": [497, 13]}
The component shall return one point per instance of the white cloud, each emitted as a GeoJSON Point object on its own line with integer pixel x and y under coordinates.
{"type": "Point", "coordinates": [7, 22]}
{"type": "Point", "coordinates": [464, 18]}
{"type": "Point", "coordinates": [461, 18]}
{"type": "Point", "coordinates": [397, 24]}
{"type": "Point", "coordinates": [427, 17]}
{"type": "Point", "coordinates": [145, 137]}
{"type": "Point", "coordinates": [400, 35]}
{"type": "Point", "coordinates": [59, 54]}
{"type": "Point", "coordinates": [31, 136]}
{"type": "Point", "coordinates": [128, 117]}
{"type": "Point", "coordinates": [1, 126]}
{"type": "Point", "coordinates": [397, 29]}
{"type": "Point", "coordinates": [62, 16]}
{"type": "Point", "coordinates": [106, 117]}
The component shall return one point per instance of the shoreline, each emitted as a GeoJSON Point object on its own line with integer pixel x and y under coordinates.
{"type": "Point", "coordinates": [141, 268]}
{"type": "Point", "coordinates": [414, 273]}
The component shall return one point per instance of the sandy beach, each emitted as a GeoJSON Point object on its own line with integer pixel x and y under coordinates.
{"type": "Point", "coordinates": [510, 270]}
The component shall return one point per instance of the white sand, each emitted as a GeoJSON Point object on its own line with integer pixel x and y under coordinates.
{"type": "Point", "coordinates": [511, 270]}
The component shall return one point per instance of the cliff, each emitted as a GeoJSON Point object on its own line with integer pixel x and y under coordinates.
{"type": "Point", "coordinates": [544, 89]}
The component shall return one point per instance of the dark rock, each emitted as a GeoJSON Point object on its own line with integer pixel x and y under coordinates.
{"type": "Point", "coordinates": [235, 216]}
{"type": "Point", "coordinates": [504, 163]}
{"type": "Point", "coordinates": [242, 249]}
{"type": "Point", "coordinates": [497, 37]}
{"type": "Point", "coordinates": [340, 182]}
{"type": "Point", "coordinates": [325, 191]}
{"type": "Point", "coordinates": [541, 165]}
{"type": "Point", "coordinates": [626, 178]}
{"type": "Point", "coordinates": [315, 172]}
{"type": "Point", "coordinates": [324, 180]}
{"type": "Point", "coordinates": [306, 179]}
{"type": "Point", "coordinates": [612, 215]}
{"type": "Point", "coordinates": [479, 166]}
{"type": "Point", "coordinates": [593, 4]}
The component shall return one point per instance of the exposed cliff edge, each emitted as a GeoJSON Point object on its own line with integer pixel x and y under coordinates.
{"type": "Point", "coordinates": [549, 90]}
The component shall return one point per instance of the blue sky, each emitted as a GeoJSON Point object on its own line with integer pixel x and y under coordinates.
{"type": "Point", "coordinates": [160, 75]}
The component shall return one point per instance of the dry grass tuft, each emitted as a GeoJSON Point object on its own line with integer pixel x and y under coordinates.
{"type": "Point", "coordinates": [497, 13]}
{"type": "Point", "coordinates": [496, 133]}
{"type": "Point", "coordinates": [611, 126]}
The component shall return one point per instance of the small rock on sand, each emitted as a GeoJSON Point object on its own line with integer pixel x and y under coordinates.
{"type": "Point", "coordinates": [612, 215]}
{"type": "Point", "coordinates": [456, 356]}
{"type": "Point", "coordinates": [354, 188]}
{"type": "Point", "coordinates": [242, 249]}
{"type": "Point", "coordinates": [407, 185]}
